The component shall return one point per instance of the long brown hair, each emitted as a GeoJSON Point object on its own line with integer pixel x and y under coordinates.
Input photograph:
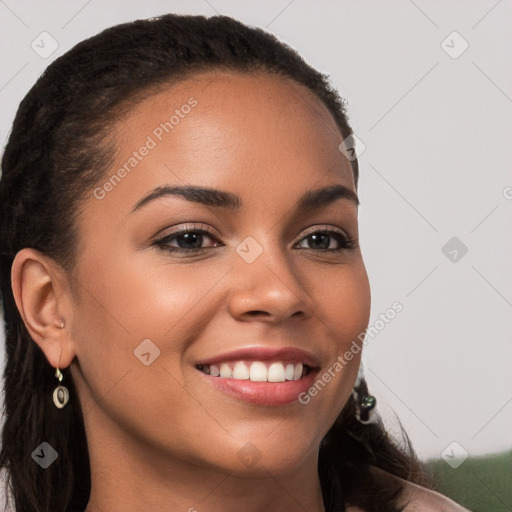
{"type": "Point", "coordinates": [58, 149]}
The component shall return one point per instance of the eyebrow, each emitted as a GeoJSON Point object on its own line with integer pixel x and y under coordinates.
{"type": "Point", "coordinates": [311, 200]}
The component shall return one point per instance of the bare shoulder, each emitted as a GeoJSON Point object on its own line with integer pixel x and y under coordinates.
{"type": "Point", "coordinates": [419, 499]}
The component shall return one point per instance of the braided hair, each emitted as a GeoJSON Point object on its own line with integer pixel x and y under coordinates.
{"type": "Point", "coordinates": [60, 146]}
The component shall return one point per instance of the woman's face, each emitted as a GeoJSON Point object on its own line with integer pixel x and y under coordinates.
{"type": "Point", "coordinates": [256, 281]}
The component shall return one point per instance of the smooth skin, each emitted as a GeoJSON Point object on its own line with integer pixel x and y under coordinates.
{"type": "Point", "coordinates": [161, 437]}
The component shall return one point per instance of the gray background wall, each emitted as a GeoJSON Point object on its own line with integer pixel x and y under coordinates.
{"type": "Point", "coordinates": [435, 120]}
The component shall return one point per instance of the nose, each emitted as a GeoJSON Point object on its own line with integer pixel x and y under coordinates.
{"type": "Point", "coordinates": [268, 288]}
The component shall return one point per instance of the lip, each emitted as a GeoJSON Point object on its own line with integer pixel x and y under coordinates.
{"type": "Point", "coordinates": [264, 393]}
{"type": "Point", "coordinates": [288, 354]}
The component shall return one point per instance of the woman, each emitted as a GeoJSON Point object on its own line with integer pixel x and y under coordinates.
{"type": "Point", "coordinates": [184, 294]}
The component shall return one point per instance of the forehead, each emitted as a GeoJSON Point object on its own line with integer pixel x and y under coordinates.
{"type": "Point", "coordinates": [231, 91]}
{"type": "Point", "coordinates": [253, 134]}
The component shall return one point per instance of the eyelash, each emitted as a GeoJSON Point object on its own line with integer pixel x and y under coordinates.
{"type": "Point", "coordinates": [345, 242]}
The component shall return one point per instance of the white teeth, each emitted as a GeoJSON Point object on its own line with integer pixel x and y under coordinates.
{"type": "Point", "coordinates": [276, 373]}
{"type": "Point", "coordinates": [240, 371]}
{"type": "Point", "coordinates": [225, 370]}
{"type": "Point", "coordinates": [258, 372]}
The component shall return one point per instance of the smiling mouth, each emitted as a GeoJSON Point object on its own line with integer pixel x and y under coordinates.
{"type": "Point", "coordinates": [257, 371]}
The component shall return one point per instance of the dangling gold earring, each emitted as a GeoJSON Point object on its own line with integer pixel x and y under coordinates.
{"type": "Point", "coordinates": [60, 393]}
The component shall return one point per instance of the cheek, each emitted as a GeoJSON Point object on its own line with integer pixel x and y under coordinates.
{"type": "Point", "coordinates": [131, 300]}
{"type": "Point", "coordinates": [344, 304]}
{"type": "Point", "coordinates": [158, 313]}
{"type": "Point", "coordinates": [134, 317]}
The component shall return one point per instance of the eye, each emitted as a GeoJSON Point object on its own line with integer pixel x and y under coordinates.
{"type": "Point", "coordinates": [191, 239]}
{"type": "Point", "coordinates": [186, 239]}
{"type": "Point", "coordinates": [322, 241]}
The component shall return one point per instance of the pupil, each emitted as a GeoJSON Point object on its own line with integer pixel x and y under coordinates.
{"type": "Point", "coordinates": [323, 245]}
{"type": "Point", "coordinates": [190, 238]}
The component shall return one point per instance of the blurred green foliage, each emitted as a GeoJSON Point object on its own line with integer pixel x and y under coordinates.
{"type": "Point", "coordinates": [481, 484]}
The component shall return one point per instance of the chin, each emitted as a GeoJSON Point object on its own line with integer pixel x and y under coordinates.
{"type": "Point", "coordinates": [273, 456]}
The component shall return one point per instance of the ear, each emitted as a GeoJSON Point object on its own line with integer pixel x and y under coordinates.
{"type": "Point", "coordinates": [37, 285]}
